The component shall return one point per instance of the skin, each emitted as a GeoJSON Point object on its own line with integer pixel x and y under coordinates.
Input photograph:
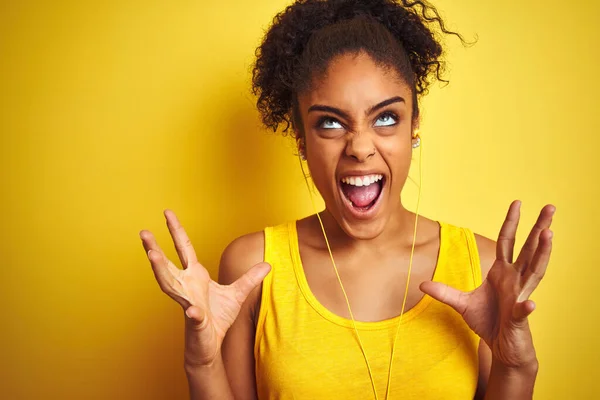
{"type": "Point", "coordinates": [353, 85]}
{"type": "Point", "coordinates": [370, 253]}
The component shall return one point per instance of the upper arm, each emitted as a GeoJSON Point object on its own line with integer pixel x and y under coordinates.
{"type": "Point", "coordinates": [487, 255]}
{"type": "Point", "coordinates": [238, 346]}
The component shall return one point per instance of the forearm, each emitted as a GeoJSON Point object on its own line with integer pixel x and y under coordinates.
{"type": "Point", "coordinates": [207, 378]}
{"type": "Point", "coordinates": [208, 381]}
{"type": "Point", "coordinates": [511, 383]}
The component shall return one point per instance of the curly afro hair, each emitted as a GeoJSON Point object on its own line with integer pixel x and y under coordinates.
{"type": "Point", "coordinates": [308, 34]}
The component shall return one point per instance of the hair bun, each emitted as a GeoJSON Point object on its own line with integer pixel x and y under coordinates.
{"type": "Point", "coordinates": [276, 72]}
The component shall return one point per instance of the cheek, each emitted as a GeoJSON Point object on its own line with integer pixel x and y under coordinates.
{"type": "Point", "coordinates": [323, 161]}
{"type": "Point", "coordinates": [398, 157]}
{"type": "Point", "coordinates": [322, 168]}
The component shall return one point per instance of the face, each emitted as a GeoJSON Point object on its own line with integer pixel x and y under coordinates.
{"type": "Point", "coordinates": [357, 121]}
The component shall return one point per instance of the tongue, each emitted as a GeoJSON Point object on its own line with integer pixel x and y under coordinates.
{"type": "Point", "coordinates": [362, 196]}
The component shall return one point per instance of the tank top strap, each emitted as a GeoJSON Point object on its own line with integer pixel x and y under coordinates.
{"type": "Point", "coordinates": [304, 351]}
{"type": "Point", "coordinates": [280, 282]}
{"type": "Point", "coordinates": [458, 266]}
{"type": "Point", "coordinates": [462, 269]}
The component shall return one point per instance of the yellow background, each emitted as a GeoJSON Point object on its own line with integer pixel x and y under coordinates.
{"type": "Point", "coordinates": [110, 113]}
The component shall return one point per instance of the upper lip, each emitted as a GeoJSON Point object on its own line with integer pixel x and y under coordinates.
{"type": "Point", "coordinates": [357, 172]}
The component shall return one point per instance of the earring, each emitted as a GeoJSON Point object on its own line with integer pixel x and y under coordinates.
{"type": "Point", "coordinates": [416, 136]}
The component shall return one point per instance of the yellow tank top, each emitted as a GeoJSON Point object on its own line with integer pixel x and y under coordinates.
{"type": "Point", "coordinates": [304, 351]}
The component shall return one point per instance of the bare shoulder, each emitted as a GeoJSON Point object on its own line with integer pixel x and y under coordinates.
{"type": "Point", "coordinates": [487, 253]}
{"type": "Point", "coordinates": [238, 345]}
{"type": "Point", "coordinates": [240, 255]}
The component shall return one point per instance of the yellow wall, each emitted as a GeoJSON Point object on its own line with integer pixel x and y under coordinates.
{"type": "Point", "coordinates": [109, 114]}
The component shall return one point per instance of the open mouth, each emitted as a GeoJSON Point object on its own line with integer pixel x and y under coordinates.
{"type": "Point", "coordinates": [362, 192]}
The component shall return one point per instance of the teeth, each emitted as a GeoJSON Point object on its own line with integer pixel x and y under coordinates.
{"type": "Point", "coordinates": [362, 180]}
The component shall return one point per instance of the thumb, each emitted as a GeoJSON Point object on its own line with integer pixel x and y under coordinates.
{"type": "Point", "coordinates": [445, 294]}
{"type": "Point", "coordinates": [251, 279]}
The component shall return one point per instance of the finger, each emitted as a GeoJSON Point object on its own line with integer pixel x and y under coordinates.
{"type": "Point", "coordinates": [147, 240]}
{"type": "Point", "coordinates": [523, 310]}
{"type": "Point", "coordinates": [164, 270]}
{"type": "Point", "coordinates": [446, 294]}
{"type": "Point", "coordinates": [543, 222]}
{"type": "Point", "coordinates": [537, 268]}
{"type": "Point", "coordinates": [183, 245]}
{"type": "Point", "coordinates": [506, 238]}
{"type": "Point", "coordinates": [251, 279]}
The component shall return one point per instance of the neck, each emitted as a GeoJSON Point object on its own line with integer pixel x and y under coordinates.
{"type": "Point", "coordinates": [399, 229]}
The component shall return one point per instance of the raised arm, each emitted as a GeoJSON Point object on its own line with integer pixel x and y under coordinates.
{"type": "Point", "coordinates": [498, 309]}
{"type": "Point", "coordinates": [210, 308]}
{"type": "Point", "coordinates": [238, 347]}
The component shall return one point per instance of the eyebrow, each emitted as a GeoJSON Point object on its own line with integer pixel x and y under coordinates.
{"type": "Point", "coordinates": [395, 99]}
{"type": "Point", "coordinates": [337, 111]}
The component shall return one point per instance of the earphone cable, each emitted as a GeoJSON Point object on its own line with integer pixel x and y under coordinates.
{"type": "Point", "coordinates": [344, 291]}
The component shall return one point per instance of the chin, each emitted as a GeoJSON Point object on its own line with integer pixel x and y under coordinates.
{"type": "Point", "coordinates": [363, 230]}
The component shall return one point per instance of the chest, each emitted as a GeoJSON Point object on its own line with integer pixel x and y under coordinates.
{"type": "Point", "coordinates": [374, 282]}
{"type": "Point", "coordinates": [306, 347]}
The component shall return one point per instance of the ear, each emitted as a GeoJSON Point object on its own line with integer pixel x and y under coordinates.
{"type": "Point", "coordinates": [416, 123]}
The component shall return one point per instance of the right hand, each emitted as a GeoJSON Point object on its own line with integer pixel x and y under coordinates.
{"type": "Point", "coordinates": [210, 308]}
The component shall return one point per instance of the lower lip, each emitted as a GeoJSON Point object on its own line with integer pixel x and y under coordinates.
{"type": "Point", "coordinates": [362, 214]}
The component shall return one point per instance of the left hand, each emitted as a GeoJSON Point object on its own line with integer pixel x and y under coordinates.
{"type": "Point", "coordinates": [498, 309]}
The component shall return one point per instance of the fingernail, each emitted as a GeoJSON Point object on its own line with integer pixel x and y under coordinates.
{"type": "Point", "coordinates": [149, 253]}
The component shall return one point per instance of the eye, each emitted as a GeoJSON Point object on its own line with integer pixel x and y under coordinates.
{"type": "Point", "coordinates": [386, 119]}
{"type": "Point", "coordinates": [329, 123]}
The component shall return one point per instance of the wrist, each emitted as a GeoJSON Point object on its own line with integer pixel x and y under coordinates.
{"type": "Point", "coordinates": [192, 364]}
{"type": "Point", "coordinates": [509, 382]}
{"type": "Point", "coordinates": [208, 381]}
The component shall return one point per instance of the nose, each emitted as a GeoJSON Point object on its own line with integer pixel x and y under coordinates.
{"type": "Point", "coordinates": [360, 147]}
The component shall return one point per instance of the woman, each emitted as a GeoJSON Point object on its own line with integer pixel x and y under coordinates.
{"type": "Point", "coordinates": [281, 322]}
